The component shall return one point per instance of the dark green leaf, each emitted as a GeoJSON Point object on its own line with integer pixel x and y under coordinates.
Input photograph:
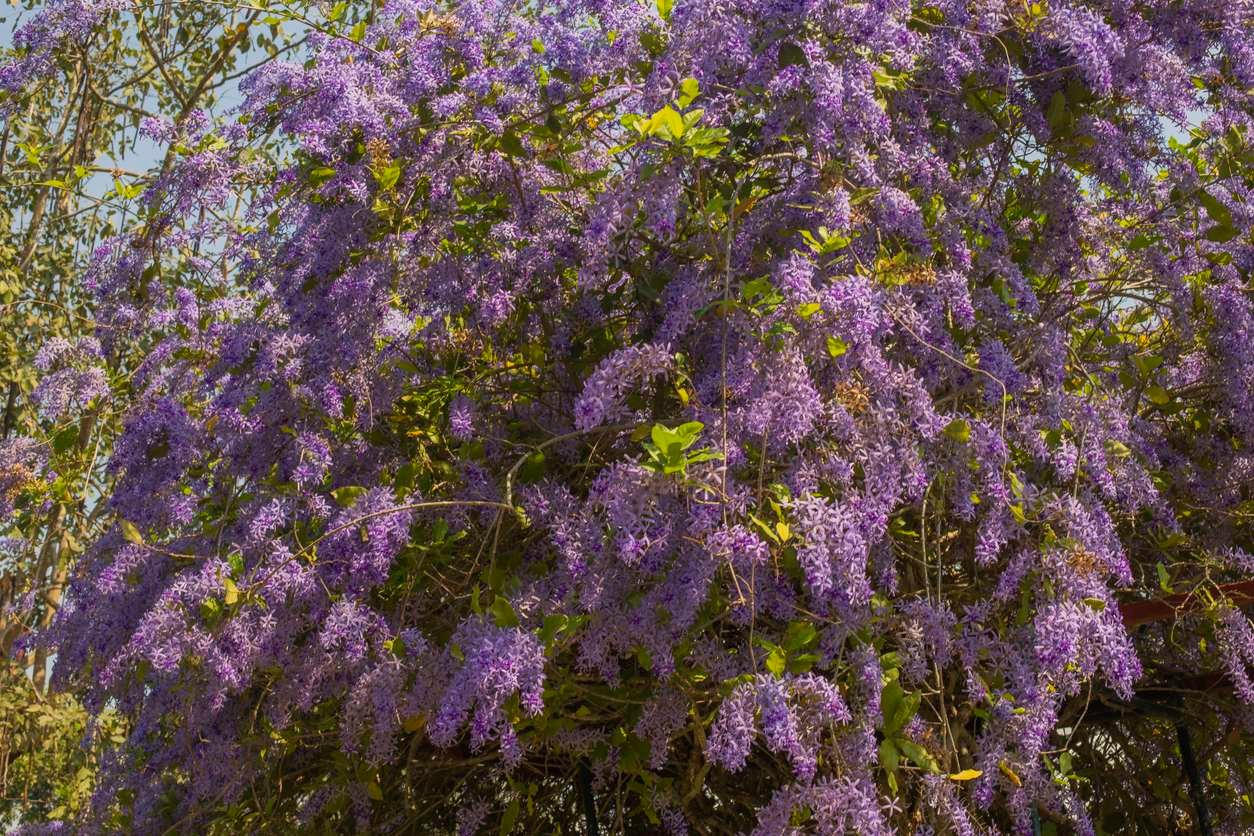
{"type": "Point", "coordinates": [502, 613]}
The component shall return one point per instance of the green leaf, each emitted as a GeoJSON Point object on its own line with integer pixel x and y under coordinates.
{"type": "Point", "coordinates": [127, 192]}
{"type": "Point", "coordinates": [777, 661]}
{"type": "Point", "coordinates": [211, 610]}
{"type": "Point", "coordinates": [906, 709]}
{"type": "Point", "coordinates": [766, 529]}
{"type": "Point", "coordinates": [889, 756]}
{"type": "Point", "coordinates": [510, 818]}
{"type": "Point", "coordinates": [959, 430]}
{"type": "Point", "coordinates": [802, 662]}
{"type": "Point", "coordinates": [1146, 363]}
{"type": "Point", "coordinates": [510, 144]}
{"type": "Point", "coordinates": [705, 455]}
{"type": "Point", "coordinates": [64, 440]}
{"type": "Point", "coordinates": [890, 699]}
{"type": "Point", "coordinates": [836, 347]}
{"type": "Point", "coordinates": [553, 624]}
{"type": "Point", "coordinates": [885, 79]}
{"type": "Point", "coordinates": [320, 175]}
{"type": "Point", "coordinates": [405, 476]}
{"type": "Point", "coordinates": [791, 55]}
{"type": "Point", "coordinates": [898, 707]}
{"type": "Point", "coordinates": [348, 495]}
{"type": "Point", "coordinates": [688, 90]}
{"type": "Point", "coordinates": [635, 122]}
{"type": "Point", "coordinates": [664, 8]}
{"type": "Point", "coordinates": [759, 287]}
{"type": "Point", "coordinates": [1221, 233]}
{"type": "Point", "coordinates": [665, 439]}
{"type": "Point", "coordinates": [1057, 114]}
{"type": "Point", "coordinates": [1164, 577]}
{"type": "Point", "coordinates": [374, 790]}
{"type": "Point", "coordinates": [1158, 395]}
{"type": "Point", "coordinates": [337, 11]}
{"type": "Point", "coordinates": [130, 533]}
{"type": "Point", "coordinates": [358, 32]}
{"type": "Point", "coordinates": [670, 122]}
{"type": "Point", "coordinates": [231, 592]}
{"type": "Point", "coordinates": [502, 613]}
{"type": "Point", "coordinates": [387, 177]}
{"type": "Point", "coordinates": [799, 635]}
{"type": "Point", "coordinates": [1214, 207]}
{"type": "Point", "coordinates": [671, 444]}
{"type": "Point", "coordinates": [917, 754]}
{"type": "Point", "coordinates": [808, 309]}
{"type": "Point", "coordinates": [1117, 449]}
{"type": "Point", "coordinates": [688, 432]}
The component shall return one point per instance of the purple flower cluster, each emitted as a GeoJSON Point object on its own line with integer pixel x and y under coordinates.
{"type": "Point", "coordinates": [38, 41]}
{"type": "Point", "coordinates": [792, 712]}
{"type": "Point", "coordinates": [72, 377]}
{"type": "Point", "coordinates": [497, 664]}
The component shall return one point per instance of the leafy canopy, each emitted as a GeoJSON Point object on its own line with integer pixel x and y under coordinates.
{"type": "Point", "coordinates": [716, 416]}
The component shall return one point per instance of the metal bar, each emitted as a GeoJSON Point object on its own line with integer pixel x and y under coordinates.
{"type": "Point", "coordinates": [1135, 613]}
{"type": "Point", "coordinates": [589, 803]}
{"type": "Point", "coordinates": [1196, 792]}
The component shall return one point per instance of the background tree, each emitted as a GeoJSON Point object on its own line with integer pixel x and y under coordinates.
{"type": "Point", "coordinates": [80, 81]}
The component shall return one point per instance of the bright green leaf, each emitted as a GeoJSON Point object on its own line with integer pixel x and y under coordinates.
{"type": "Point", "coordinates": [670, 121]}
{"type": "Point", "coordinates": [1164, 577]}
{"type": "Point", "coordinates": [917, 754]}
{"type": "Point", "coordinates": [348, 495]}
{"type": "Point", "coordinates": [130, 533]}
{"type": "Point", "coordinates": [387, 176]}
{"type": "Point", "coordinates": [959, 430]}
{"type": "Point", "coordinates": [776, 661]}
{"type": "Point", "coordinates": [688, 90]}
